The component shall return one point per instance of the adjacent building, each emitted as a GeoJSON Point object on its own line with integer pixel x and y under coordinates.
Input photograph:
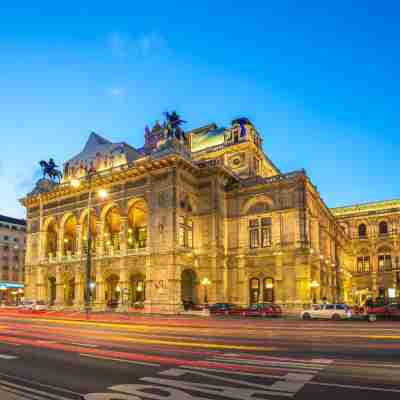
{"type": "Point", "coordinates": [373, 249]}
{"type": "Point", "coordinates": [195, 216]}
{"type": "Point", "coordinates": [12, 258]}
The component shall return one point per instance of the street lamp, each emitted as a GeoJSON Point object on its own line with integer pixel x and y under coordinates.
{"type": "Point", "coordinates": [88, 284]}
{"type": "Point", "coordinates": [314, 286]}
{"type": "Point", "coordinates": [205, 282]}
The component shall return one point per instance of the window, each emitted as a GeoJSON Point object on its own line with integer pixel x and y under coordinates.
{"type": "Point", "coordinates": [185, 233]}
{"type": "Point", "coordinates": [260, 229]}
{"type": "Point", "coordinates": [6, 237]}
{"type": "Point", "coordinates": [254, 231]}
{"type": "Point", "coordinates": [329, 307]}
{"type": "Point", "coordinates": [362, 231]}
{"type": "Point", "coordinates": [266, 232]}
{"type": "Point", "coordinates": [363, 264]}
{"type": "Point", "coordinates": [383, 228]}
{"type": "Point", "coordinates": [384, 262]}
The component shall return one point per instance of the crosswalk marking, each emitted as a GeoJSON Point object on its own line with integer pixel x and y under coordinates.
{"type": "Point", "coordinates": [27, 392]}
{"type": "Point", "coordinates": [311, 367]}
{"type": "Point", "coordinates": [7, 357]}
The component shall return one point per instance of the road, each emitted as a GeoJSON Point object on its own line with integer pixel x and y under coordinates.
{"type": "Point", "coordinates": [54, 358]}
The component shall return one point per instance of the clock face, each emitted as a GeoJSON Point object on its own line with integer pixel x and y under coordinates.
{"type": "Point", "coordinates": [236, 161]}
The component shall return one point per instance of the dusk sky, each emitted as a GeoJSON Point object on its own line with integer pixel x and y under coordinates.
{"type": "Point", "coordinates": [320, 82]}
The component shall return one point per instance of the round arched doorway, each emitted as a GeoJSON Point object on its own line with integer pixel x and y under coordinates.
{"type": "Point", "coordinates": [188, 288]}
{"type": "Point", "coordinates": [52, 290]}
{"type": "Point", "coordinates": [113, 291]}
{"type": "Point", "coordinates": [137, 290]}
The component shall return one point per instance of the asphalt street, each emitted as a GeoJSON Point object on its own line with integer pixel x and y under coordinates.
{"type": "Point", "coordinates": [217, 358]}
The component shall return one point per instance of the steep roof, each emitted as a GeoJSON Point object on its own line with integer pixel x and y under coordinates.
{"type": "Point", "coordinates": [97, 144]}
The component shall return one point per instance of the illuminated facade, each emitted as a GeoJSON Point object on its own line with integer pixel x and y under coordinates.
{"type": "Point", "coordinates": [373, 249]}
{"type": "Point", "coordinates": [12, 258]}
{"type": "Point", "coordinates": [205, 212]}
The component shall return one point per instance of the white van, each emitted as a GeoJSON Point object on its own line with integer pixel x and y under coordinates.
{"type": "Point", "coordinates": [34, 305]}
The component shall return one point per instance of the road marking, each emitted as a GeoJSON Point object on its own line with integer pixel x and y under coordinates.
{"type": "Point", "coordinates": [24, 390]}
{"type": "Point", "coordinates": [83, 344]}
{"type": "Point", "coordinates": [59, 389]}
{"type": "Point", "coordinates": [271, 362]}
{"type": "Point", "coordinates": [375, 389]}
{"type": "Point", "coordinates": [120, 360]}
{"type": "Point", "coordinates": [6, 357]}
{"type": "Point", "coordinates": [267, 365]}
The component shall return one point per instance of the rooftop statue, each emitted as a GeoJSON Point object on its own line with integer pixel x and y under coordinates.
{"type": "Point", "coordinates": [49, 169]}
{"type": "Point", "coordinates": [173, 126]}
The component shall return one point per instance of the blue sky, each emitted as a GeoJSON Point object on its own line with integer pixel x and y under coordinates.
{"type": "Point", "coordinates": [320, 82]}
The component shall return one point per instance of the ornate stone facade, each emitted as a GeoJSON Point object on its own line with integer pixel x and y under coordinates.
{"type": "Point", "coordinates": [209, 204]}
{"type": "Point", "coordinates": [373, 249]}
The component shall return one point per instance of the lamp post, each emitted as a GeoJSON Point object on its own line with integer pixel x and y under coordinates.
{"type": "Point", "coordinates": [314, 286]}
{"type": "Point", "coordinates": [88, 271]}
{"type": "Point", "coordinates": [205, 282]}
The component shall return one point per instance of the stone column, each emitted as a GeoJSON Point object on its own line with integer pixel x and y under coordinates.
{"type": "Point", "coordinates": [123, 284]}
{"type": "Point", "coordinates": [79, 290]}
{"type": "Point", "coordinates": [123, 236]}
{"type": "Point", "coordinates": [279, 289]}
{"type": "Point", "coordinates": [79, 249]}
{"type": "Point", "coordinates": [59, 288]}
{"type": "Point", "coordinates": [99, 239]}
{"type": "Point", "coordinates": [41, 288]}
{"type": "Point", "coordinates": [100, 303]}
{"type": "Point", "coordinates": [242, 283]}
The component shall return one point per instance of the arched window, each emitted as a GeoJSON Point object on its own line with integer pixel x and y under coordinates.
{"type": "Point", "coordinates": [362, 231]}
{"type": "Point", "coordinates": [269, 290]}
{"type": "Point", "coordinates": [137, 225]}
{"type": "Point", "coordinates": [112, 229]}
{"type": "Point", "coordinates": [383, 228]}
{"type": "Point", "coordinates": [384, 259]}
{"type": "Point", "coordinates": [51, 239]}
{"type": "Point", "coordinates": [70, 235]}
{"type": "Point", "coordinates": [254, 284]}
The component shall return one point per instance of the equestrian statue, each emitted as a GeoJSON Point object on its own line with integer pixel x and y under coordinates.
{"type": "Point", "coordinates": [49, 169]}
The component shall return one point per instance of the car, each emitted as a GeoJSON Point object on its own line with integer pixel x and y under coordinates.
{"type": "Point", "coordinates": [327, 311]}
{"type": "Point", "coordinates": [33, 305]}
{"type": "Point", "coordinates": [224, 309]}
{"type": "Point", "coordinates": [262, 310]}
{"type": "Point", "coordinates": [393, 310]}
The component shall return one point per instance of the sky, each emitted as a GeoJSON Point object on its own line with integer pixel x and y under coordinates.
{"type": "Point", "coordinates": [319, 81]}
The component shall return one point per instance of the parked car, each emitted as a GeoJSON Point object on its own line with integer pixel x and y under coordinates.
{"type": "Point", "coordinates": [224, 309]}
{"type": "Point", "coordinates": [262, 310]}
{"type": "Point", "coordinates": [190, 305]}
{"type": "Point", "coordinates": [327, 311]}
{"type": "Point", "coordinates": [393, 310]}
{"type": "Point", "coordinates": [33, 305]}
{"type": "Point", "coordinates": [383, 310]}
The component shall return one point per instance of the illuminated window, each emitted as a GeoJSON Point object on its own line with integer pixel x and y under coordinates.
{"type": "Point", "coordinates": [384, 262]}
{"type": "Point", "coordinates": [260, 229]}
{"type": "Point", "coordinates": [362, 230]}
{"type": "Point", "coordinates": [363, 264]}
{"type": "Point", "coordinates": [185, 232]}
{"type": "Point", "coordinates": [383, 228]}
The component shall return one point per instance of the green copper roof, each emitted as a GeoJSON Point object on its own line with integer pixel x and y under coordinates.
{"type": "Point", "coordinates": [384, 205]}
{"type": "Point", "coordinates": [212, 138]}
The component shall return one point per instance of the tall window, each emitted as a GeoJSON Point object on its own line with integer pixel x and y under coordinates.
{"type": "Point", "coordinates": [260, 229]}
{"type": "Point", "coordinates": [384, 262]}
{"type": "Point", "coordinates": [362, 231]}
{"type": "Point", "coordinates": [383, 228]}
{"type": "Point", "coordinates": [254, 233]}
{"type": "Point", "coordinates": [185, 232]}
{"type": "Point", "coordinates": [363, 264]}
